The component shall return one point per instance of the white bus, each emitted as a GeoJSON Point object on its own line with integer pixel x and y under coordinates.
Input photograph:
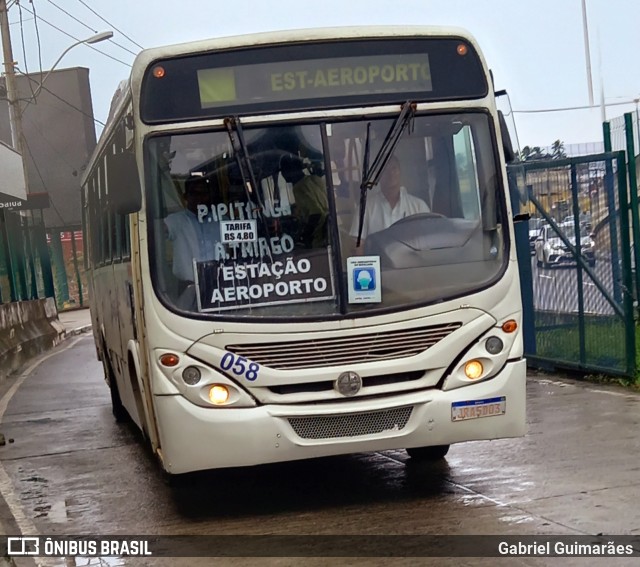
{"type": "Point", "coordinates": [259, 293]}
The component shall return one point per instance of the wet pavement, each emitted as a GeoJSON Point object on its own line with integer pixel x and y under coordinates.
{"type": "Point", "coordinates": [72, 470]}
{"type": "Point", "coordinates": [75, 321]}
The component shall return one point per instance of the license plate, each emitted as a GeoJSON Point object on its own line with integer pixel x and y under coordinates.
{"type": "Point", "coordinates": [473, 409]}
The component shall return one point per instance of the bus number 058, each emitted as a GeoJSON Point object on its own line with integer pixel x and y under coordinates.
{"type": "Point", "coordinates": [240, 366]}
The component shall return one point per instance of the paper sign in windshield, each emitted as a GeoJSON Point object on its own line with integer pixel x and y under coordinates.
{"type": "Point", "coordinates": [240, 284]}
{"type": "Point", "coordinates": [238, 231]}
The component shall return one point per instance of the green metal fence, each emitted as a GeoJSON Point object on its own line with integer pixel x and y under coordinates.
{"type": "Point", "coordinates": [576, 269]}
{"type": "Point", "coordinates": [623, 133]}
{"type": "Point", "coordinates": [619, 130]}
{"type": "Point", "coordinates": [36, 262]}
{"type": "Point", "coordinates": [66, 247]}
{"type": "Point", "coordinates": [25, 270]}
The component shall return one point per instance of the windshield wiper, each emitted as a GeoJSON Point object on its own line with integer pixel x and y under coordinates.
{"type": "Point", "coordinates": [371, 176]}
{"type": "Point", "coordinates": [241, 153]}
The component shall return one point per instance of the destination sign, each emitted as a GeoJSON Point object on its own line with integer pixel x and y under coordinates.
{"type": "Point", "coordinates": [310, 75]}
{"type": "Point", "coordinates": [315, 78]}
{"type": "Point", "coordinates": [252, 282]}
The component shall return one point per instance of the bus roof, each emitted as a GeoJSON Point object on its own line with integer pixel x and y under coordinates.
{"type": "Point", "coordinates": [147, 56]}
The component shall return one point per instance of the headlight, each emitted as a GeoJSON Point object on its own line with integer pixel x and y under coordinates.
{"type": "Point", "coordinates": [191, 375]}
{"type": "Point", "coordinates": [219, 394]}
{"type": "Point", "coordinates": [493, 345]}
{"type": "Point", "coordinates": [485, 357]}
{"type": "Point", "coordinates": [198, 381]}
{"type": "Point", "coordinates": [473, 369]}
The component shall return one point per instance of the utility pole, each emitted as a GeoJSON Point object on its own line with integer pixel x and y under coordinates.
{"type": "Point", "coordinates": [15, 121]}
{"type": "Point", "coordinates": [15, 113]}
{"type": "Point", "coordinates": [587, 53]}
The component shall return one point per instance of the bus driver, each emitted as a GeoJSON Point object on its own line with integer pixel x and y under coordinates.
{"type": "Point", "coordinates": [387, 204]}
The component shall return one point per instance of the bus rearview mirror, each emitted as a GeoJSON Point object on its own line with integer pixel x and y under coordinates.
{"type": "Point", "coordinates": [125, 194]}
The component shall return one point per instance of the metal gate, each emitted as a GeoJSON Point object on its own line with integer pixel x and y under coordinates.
{"type": "Point", "coordinates": [575, 263]}
{"type": "Point", "coordinates": [38, 262]}
{"type": "Point", "coordinates": [66, 247]}
{"type": "Point", "coordinates": [25, 270]}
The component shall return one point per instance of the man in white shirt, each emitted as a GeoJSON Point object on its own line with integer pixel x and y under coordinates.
{"type": "Point", "coordinates": [386, 204]}
{"type": "Point", "coordinates": [192, 238]}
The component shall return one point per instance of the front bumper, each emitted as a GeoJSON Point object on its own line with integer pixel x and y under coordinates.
{"type": "Point", "coordinates": [196, 438]}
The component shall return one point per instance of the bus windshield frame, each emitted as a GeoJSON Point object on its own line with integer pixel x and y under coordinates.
{"type": "Point", "coordinates": [265, 264]}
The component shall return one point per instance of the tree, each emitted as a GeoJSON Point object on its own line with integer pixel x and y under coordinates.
{"type": "Point", "coordinates": [557, 150]}
{"type": "Point", "coordinates": [530, 154]}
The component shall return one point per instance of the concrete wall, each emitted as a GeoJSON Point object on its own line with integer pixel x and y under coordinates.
{"type": "Point", "coordinates": [27, 328]}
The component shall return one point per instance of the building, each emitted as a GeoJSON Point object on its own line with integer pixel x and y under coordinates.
{"type": "Point", "coordinates": [59, 134]}
{"type": "Point", "coordinates": [59, 138]}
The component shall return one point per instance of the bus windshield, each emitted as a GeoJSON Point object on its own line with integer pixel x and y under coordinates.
{"type": "Point", "coordinates": [263, 221]}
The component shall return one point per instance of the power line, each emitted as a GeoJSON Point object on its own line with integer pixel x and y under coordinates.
{"type": "Point", "coordinates": [572, 108]}
{"type": "Point", "coordinates": [110, 24]}
{"type": "Point", "coordinates": [35, 24]}
{"type": "Point", "coordinates": [24, 49]}
{"type": "Point", "coordinates": [31, 79]}
{"type": "Point", "coordinates": [89, 27]}
{"type": "Point", "coordinates": [79, 40]}
{"type": "Point", "coordinates": [38, 127]}
{"type": "Point", "coordinates": [74, 107]}
{"type": "Point", "coordinates": [20, 22]}
{"type": "Point", "coordinates": [73, 17]}
{"type": "Point", "coordinates": [44, 184]}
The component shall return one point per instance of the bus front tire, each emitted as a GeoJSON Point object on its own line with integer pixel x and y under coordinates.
{"type": "Point", "coordinates": [428, 454]}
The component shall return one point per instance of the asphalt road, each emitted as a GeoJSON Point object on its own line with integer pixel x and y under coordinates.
{"type": "Point", "coordinates": [72, 470]}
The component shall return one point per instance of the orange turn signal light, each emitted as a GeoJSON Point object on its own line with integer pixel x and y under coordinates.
{"type": "Point", "coordinates": [462, 49]}
{"type": "Point", "coordinates": [169, 359]}
{"type": "Point", "coordinates": [509, 326]}
{"type": "Point", "coordinates": [158, 72]}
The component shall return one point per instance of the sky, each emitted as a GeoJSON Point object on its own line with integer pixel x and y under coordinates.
{"type": "Point", "coordinates": [536, 50]}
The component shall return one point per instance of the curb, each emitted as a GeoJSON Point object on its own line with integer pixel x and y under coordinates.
{"type": "Point", "coordinates": [76, 331]}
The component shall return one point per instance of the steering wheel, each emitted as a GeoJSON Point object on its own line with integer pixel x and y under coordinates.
{"type": "Point", "coordinates": [419, 217]}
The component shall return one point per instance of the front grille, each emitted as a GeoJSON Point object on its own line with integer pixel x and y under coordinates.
{"type": "Point", "coordinates": [351, 425]}
{"type": "Point", "coordinates": [367, 382]}
{"type": "Point", "coordinates": [372, 347]}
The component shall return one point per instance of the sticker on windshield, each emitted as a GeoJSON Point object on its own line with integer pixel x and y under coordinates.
{"type": "Point", "coordinates": [238, 231]}
{"type": "Point", "coordinates": [363, 274]}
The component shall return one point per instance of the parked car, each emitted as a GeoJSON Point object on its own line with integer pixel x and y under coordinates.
{"type": "Point", "coordinates": [585, 220]}
{"type": "Point", "coordinates": [550, 250]}
{"type": "Point", "coordinates": [535, 224]}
